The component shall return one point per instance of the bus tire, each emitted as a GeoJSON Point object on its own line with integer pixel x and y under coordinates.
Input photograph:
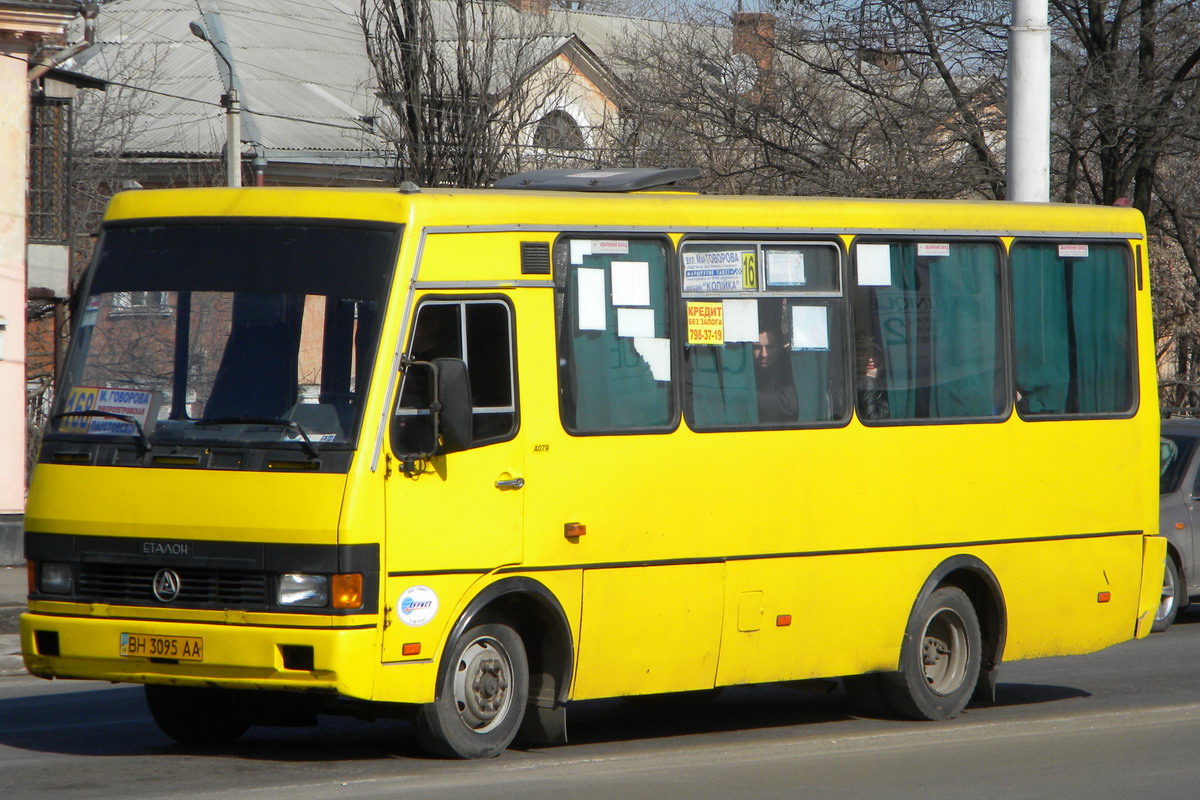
{"type": "Point", "coordinates": [1168, 604]}
{"type": "Point", "coordinates": [481, 697]}
{"type": "Point", "coordinates": [939, 660]}
{"type": "Point", "coordinates": [197, 716]}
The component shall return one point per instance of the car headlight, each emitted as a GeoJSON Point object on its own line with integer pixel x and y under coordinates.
{"type": "Point", "coordinates": [56, 577]}
{"type": "Point", "coordinates": [300, 589]}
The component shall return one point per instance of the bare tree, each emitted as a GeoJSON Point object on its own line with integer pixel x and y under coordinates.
{"type": "Point", "coordinates": [824, 97]}
{"type": "Point", "coordinates": [467, 81]}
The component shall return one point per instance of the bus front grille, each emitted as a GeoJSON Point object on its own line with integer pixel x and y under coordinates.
{"type": "Point", "coordinates": [129, 584]}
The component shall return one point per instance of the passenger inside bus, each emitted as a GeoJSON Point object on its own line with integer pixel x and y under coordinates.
{"type": "Point", "coordinates": [775, 389]}
{"type": "Point", "coordinates": [872, 396]}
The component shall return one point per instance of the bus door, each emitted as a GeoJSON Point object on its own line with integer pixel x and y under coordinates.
{"type": "Point", "coordinates": [454, 517]}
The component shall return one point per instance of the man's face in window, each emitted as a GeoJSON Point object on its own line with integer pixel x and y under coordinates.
{"type": "Point", "coordinates": [766, 350]}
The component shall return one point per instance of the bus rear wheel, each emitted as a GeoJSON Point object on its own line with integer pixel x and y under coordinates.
{"type": "Point", "coordinates": [939, 660]}
{"type": "Point", "coordinates": [197, 716]}
{"type": "Point", "coordinates": [481, 696]}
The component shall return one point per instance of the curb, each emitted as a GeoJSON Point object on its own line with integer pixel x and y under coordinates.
{"type": "Point", "coordinates": [11, 663]}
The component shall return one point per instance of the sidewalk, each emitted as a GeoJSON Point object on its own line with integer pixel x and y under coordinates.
{"type": "Point", "coordinates": [13, 590]}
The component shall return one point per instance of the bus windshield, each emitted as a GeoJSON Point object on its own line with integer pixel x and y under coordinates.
{"type": "Point", "coordinates": [217, 333]}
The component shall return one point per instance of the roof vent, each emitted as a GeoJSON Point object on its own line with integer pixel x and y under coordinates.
{"type": "Point", "coordinates": [603, 180]}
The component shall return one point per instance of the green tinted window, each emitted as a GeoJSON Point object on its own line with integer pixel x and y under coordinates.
{"type": "Point", "coordinates": [1073, 328]}
{"type": "Point", "coordinates": [613, 335]}
{"type": "Point", "coordinates": [764, 340]}
{"type": "Point", "coordinates": [927, 339]}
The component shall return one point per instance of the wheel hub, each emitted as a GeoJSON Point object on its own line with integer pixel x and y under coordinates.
{"type": "Point", "coordinates": [481, 686]}
{"type": "Point", "coordinates": [944, 652]}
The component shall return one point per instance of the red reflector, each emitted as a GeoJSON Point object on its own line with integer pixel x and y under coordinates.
{"type": "Point", "coordinates": [783, 620]}
{"type": "Point", "coordinates": [411, 649]}
{"type": "Point", "coordinates": [574, 529]}
{"type": "Point", "coordinates": [1103, 597]}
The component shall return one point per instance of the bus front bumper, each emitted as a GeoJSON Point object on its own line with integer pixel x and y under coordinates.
{"type": "Point", "coordinates": [340, 661]}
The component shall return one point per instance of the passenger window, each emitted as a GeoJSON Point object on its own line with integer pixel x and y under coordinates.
{"type": "Point", "coordinates": [765, 343]}
{"type": "Point", "coordinates": [928, 341]}
{"type": "Point", "coordinates": [614, 343]}
{"type": "Point", "coordinates": [480, 333]}
{"type": "Point", "coordinates": [1073, 327]}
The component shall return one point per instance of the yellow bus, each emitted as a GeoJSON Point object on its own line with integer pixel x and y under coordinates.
{"type": "Point", "coordinates": [468, 456]}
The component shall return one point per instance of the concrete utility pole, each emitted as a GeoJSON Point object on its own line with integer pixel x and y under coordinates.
{"type": "Point", "coordinates": [1029, 102]}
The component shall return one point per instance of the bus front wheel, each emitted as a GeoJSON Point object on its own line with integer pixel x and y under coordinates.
{"type": "Point", "coordinates": [939, 660]}
{"type": "Point", "coordinates": [481, 696]}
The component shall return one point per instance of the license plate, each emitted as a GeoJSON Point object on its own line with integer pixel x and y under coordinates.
{"type": "Point", "coordinates": [183, 648]}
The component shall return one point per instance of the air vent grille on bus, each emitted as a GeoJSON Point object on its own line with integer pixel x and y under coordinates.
{"type": "Point", "coordinates": [535, 258]}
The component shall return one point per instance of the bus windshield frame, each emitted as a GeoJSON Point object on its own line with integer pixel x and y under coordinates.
{"type": "Point", "coordinates": [255, 333]}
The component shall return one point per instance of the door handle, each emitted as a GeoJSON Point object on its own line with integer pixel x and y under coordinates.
{"type": "Point", "coordinates": [511, 483]}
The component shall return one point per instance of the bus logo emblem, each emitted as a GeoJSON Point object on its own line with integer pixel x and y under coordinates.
{"type": "Point", "coordinates": [166, 585]}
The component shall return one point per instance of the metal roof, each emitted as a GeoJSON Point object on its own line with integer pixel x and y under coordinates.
{"type": "Point", "coordinates": [305, 85]}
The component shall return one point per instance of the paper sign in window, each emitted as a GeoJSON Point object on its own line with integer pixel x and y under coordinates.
{"type": "Point", "coordinates": [874, 265]}
{"type": "Point", "coordinates": [633, 322]}
{"type": "Point", "coordinates": [1072, 251]}
{"type": "Point", "coordinates": [810, 328]}
{"type": "Point", "coordinates": [656, 353]}
{"type": "Point", "coordinates": [933, 249]}
{"type": "Point", "coordinates": [610, 247]}
{"type": "Point", "coordinates": [579, 249]}
{"type": "Point", "coordinates": [741, 320]}
{"type": "Point", "coordinates": [705, 323]}
{"type": "Point", "coordinates": [785, 268]}
{"type": "Point", "coordinates": [712, 271]}
{"type": "Point", "coordinates": [630, 283]}
{"type": "Point", "coordinates": [592, 305]}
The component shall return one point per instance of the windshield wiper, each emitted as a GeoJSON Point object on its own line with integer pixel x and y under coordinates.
{"type": "Point", "coordinates": [139, 437]}
{"type": "Point", "coordinates": [289, 424]}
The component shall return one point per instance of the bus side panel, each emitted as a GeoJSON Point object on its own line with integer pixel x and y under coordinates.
{"type": "Point", "coordinates": [848, 612]}
{"type": "Point", "coordinates": [1055, 594]}
{"type": "Point", "coordinates": [649, 629]}
{"type": "Point", "coordinates": [795, 618]}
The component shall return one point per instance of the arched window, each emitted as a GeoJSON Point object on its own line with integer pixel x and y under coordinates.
{"type": "Point", "coordinates": [558, 130]}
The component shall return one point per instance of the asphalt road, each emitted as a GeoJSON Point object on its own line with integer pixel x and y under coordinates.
{"type": "Point", "coordinates": [1115, 724]}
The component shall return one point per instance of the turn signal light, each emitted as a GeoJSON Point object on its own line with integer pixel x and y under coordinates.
{"type": "Point", "coordinates": [347, 590]}
{"type": "Point", "coordinates": [411, 649]}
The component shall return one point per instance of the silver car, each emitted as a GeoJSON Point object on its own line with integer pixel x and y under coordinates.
{"type": "Point", "coordinates": [1179, 517]}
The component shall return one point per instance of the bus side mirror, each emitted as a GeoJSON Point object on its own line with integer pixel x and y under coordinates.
{"type": "Point", "coordinates": [433, 416]}
{"type": "Point", "coordinates": [452, 420]}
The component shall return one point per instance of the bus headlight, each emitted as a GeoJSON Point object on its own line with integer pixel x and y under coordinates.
{"type": "Point", "coordinates": [299, 589]}
{"type": "Point", "coordinates": [56, 578]}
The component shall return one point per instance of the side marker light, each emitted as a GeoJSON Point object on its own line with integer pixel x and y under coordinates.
{"type": "Point", "coordinates": [783, 620]}
{"type": "Point", "coordinates": [411, 649]}
{"type": "Point", "coordinates": [573, 530]}
{"type": "Point", "coordinates": [1103, 597]}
